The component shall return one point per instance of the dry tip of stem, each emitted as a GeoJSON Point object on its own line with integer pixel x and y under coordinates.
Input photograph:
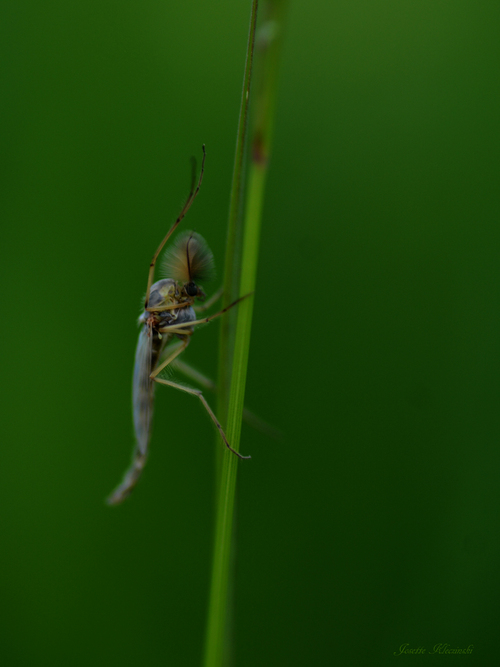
{"type": "Point", "coordinates": [259, 153]}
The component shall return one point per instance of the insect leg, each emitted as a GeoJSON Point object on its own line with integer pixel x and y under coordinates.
{"type": "Point", "coordinates": [250, 417]}
{"type": "Point", "coordinates": [170, 306]}
{"type": "Point", "coordinates": [185, 209]}
{"type": "Point", "coordinates": [175, 353]}
{"type": "Point", "coordinates": [195, 375]}
{"type": "Point", "coordinates": [215, 297]}
{"type": "Point", "coordinates": [170, 328]}
{"type": "Point", "coordinates": [197, 392]}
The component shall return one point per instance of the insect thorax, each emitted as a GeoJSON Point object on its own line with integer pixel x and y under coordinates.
{"type": "Point", "coordinates": [167, 292]}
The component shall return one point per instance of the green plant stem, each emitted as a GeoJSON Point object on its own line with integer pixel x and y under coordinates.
{"type": "Point", "coordinates": [239, 342]}
{"type": "Point", "coordinates": [226, 478]}
{"type": "Point", "coordinates": [224, 520]}
{"type": "Point", "coordinates": [234, 233]}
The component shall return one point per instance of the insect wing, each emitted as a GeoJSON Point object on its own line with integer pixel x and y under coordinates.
{"type": "Point", "coordinates": [142, 389]}
{"type": "Point", "coordinates": [130, 479]}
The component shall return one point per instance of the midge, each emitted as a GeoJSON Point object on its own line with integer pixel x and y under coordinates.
{"type": "Point", "coordinates": [169, 313]}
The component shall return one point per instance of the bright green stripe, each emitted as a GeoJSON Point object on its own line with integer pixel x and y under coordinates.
{"type": "Point", "coordinates": [217, 612]}
{"type": "Point", "coordinates": [234, 366]}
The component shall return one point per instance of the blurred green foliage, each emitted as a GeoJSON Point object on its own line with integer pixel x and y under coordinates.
{"type": "Point", "coordinates": [375, 344]}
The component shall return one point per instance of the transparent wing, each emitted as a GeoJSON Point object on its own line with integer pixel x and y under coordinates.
{"type": "Point", "coordinates": [130, 479]}
{"type": "Point", "coordinates": [142, 389]}
{"type": "Point", "coordinates": [142, 401]}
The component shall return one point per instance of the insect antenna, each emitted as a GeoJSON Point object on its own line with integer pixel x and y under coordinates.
{"type": "Point", "coordinates": [187, 257]}
{"type": "Point", "coordinates": [191, 197]}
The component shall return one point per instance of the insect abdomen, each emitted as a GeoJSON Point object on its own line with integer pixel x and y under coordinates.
{"type": "Point", "coordinates": [146, 355]}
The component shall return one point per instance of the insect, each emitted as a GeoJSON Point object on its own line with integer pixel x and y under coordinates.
{"type": "Point", "coordinates": [169, 315]}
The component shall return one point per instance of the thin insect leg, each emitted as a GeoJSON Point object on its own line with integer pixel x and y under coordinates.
{"type": "Point", "coordinates": [170, 358]}
{"type": "Point", "coordinates": [195, 375]}
{"type": "Point", "coordinates": [171, 306]}
{"type": "Point", "coordinates": [185, 209]}
{"type": "Point", "coordinates": [176, 331]}
{"type": "Point", "coordinates": [197, 392]}
{"type": "Point", "coordinates": [250, 417]}
{"type": "Point", "coordinates": [215, 297]}
{"type": "Point", "coordinates": [170, 328]}
{"type": "Point", "coordinates": [170, 348]}
{"type": "Point", "coordinates": [261, 425]}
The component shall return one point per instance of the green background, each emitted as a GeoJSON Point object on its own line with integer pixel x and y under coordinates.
{"type": "Point", "coordinates": [375, 345]}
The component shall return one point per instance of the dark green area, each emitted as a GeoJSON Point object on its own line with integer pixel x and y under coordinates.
{"type": "Point", "coordinates": [375, 347]}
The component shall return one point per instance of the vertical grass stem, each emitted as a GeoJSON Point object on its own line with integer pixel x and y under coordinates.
{"type": "Point", "coordinates": [239, 341]}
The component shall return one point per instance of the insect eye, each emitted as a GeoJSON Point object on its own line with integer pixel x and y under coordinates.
{"type": "Point", "coordinates": [191, 289]}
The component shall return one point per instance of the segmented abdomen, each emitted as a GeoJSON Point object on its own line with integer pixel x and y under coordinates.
{"type": "Point", "coordinates": [146, 355]}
